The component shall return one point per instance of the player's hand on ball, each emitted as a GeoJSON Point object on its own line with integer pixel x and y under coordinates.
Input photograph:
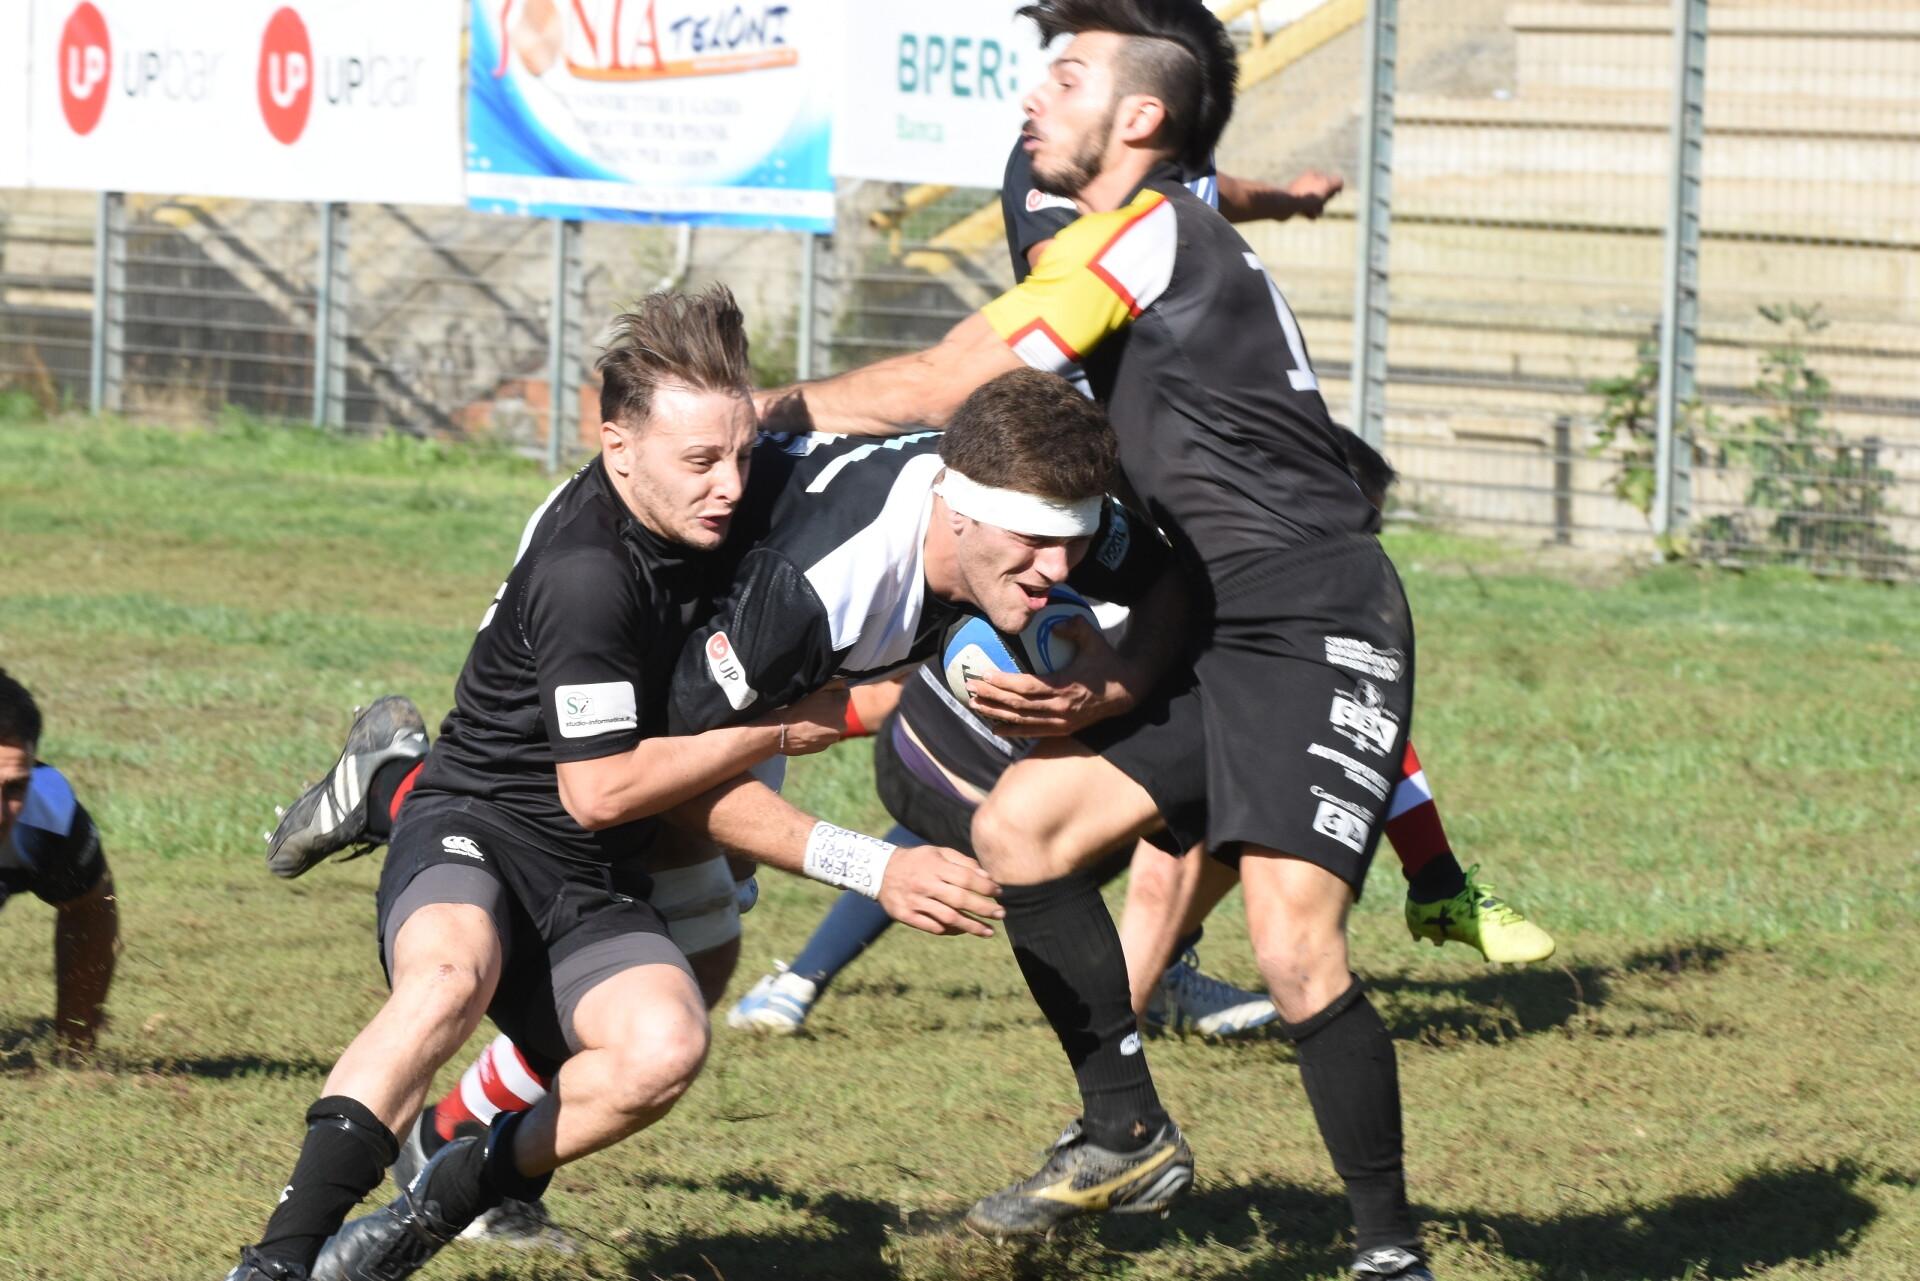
{"type": "Point", "coordinates": [939, 890]}
{"type": "Point", "coordinates": [816, 722]}
{"type": "Point", "coordinates": [1097, 684]}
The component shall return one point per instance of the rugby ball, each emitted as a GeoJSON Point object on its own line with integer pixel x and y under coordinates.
{"type": "Point", "coordinates": [976, 648]}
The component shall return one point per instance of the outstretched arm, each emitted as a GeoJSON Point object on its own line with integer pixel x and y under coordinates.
{"type": "Point", "coordinates": [919, 389]}
{"type": "Point", "coordinates": [1244, 200]}
{"type": "Point", "coordinates": [85, 932]}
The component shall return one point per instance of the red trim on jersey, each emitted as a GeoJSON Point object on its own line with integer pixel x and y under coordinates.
{"type": "Point", "coordinates": [1125, 227]}
{"type": "Point", "coordinates": [1040, 324]}
{"type": "Point", "coordinates": [1119, 290]}
{"type": "Point", "coordinates": [403, 791]}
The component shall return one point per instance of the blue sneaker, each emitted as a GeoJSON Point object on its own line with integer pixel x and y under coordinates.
{"type": "Point", "coordinates": [779, 1003]}
{"type": "Point", "coordinates": [1187, 999]}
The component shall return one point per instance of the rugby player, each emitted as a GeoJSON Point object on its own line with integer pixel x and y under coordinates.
{"type": "Point", "coordinates": [48, 845]}
{"type": "Point", "coordinates": [511, 889]}
{"type": "Point", "coordinates": [1278, 737]}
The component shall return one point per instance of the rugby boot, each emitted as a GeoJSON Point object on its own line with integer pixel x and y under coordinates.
{"type": "Point", "coordinates": [1187, 999]}
{"type": "Point", "coordinates": [332, 814]}
{"type": "Point", "coordinates": [1082, 1178]}
{"type": "Point", "coordinates": [1391, 1263]}
{"type": "Point", "coordinates": [398, 1239]}
{"type": "Point", "coordinates": [1483, 921]}
{"type": "Point", "coordinates": [779, 1003]}
{"type": "Point", "coordinates": [254, 1268]}
{"type": "Point", "coordinates": [525, 1225]}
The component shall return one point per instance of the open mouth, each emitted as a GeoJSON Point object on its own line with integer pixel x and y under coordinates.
{"type": "Point", "coordinates": [1037, 597]}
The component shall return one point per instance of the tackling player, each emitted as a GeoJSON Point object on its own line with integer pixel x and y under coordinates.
{"type": "Point", "coordinates": [48, 845]}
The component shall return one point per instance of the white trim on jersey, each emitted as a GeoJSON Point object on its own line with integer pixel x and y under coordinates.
{"type": "Point", "coordinates": [873, 585]}
{"type": "Point", "coordinates": [1140, 259]}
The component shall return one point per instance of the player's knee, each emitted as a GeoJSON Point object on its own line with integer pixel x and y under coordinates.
{"type": "Point", "coordinates": [1012, 844]}
{"type": "Point", "coordinates": [658, 1064]}
{"type": "Point", "coordinates": [442, 993]}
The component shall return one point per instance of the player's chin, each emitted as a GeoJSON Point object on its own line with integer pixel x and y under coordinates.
{"type": "Point", "coordinates": [706, 532]}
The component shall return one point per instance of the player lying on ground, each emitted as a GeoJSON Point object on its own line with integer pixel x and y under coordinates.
{"type": "Point", "coordinates": [1226, 440]}
{"type": "Point", "coordinates": [511, 888]}
{"type": "Point", "coordinates": [48, 845]}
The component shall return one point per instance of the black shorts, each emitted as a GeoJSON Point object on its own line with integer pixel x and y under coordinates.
{"type": "Point", "coordinates": [565, 925]}
{"type": "Point", "coordinates": [915, 803]}
{"type": "Point", "coordinates": [1288, 728]}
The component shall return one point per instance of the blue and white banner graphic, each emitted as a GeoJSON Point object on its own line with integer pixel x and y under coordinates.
{"type": "Point", "coordinates": [695, 111]}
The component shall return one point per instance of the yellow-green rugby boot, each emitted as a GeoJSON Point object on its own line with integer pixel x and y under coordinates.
{"type": "Point", "coordinates": [1081, 1177]}
{"type": "Point", "coordinates": [1483, 921]}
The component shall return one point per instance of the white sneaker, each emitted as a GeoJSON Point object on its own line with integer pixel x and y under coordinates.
{"type": "Point", "coordinates": [779, 1003]}
{"type": "Point", "coordinates": [1188, 999]}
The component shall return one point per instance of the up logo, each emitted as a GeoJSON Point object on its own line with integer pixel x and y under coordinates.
{"type": "Point", "coordinates": [286, 76]}
{"type": "Point", "coordinates": [85, 55]}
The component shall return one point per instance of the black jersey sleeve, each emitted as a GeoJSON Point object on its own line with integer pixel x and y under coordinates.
{"type": "Point", "coordinates": [1127, 556]}
{"type": "Point", "coordinates": [769, 644]}
{"type": "Point", "coordinates": [584, 625]}
{"type": "Point", "coordinates": [1030, 214]}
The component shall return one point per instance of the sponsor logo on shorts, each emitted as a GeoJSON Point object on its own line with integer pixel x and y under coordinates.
{"type": "Point", "coordinates": [1359, 656]}
{"type": "Point", "coordinates": [600, 708]}
{"type": "Point", "coordinates": [1038, 200]}
{"type": "Point", "coordinates": [727, 671]}
{"type": "Point", "coordinates": [464, 846]}
{"type": "Point", "coordinates": [1360, 719]}
{"type": "Point", "coordinates": [1130, 1044]}
{"type": "Point", "coordinates": [1341, 821]}
{"type": "Point", "coordinates": [1371, 779]}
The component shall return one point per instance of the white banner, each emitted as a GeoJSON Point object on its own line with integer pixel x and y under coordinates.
{"type": "Point", "coordinates": [16, 23]}
{"type": "Point", "coordinates": [931, 90]}
{"type": "Point", "coordinates": [314, 100]}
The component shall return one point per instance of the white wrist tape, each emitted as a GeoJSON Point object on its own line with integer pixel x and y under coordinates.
{"type": "Point", "coordinates": [849, 860]}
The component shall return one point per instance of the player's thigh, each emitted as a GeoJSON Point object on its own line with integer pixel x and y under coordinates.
{"type": "Point", "coordinates": [1057, 811]}
{"type": "Point", "coordinates": [651, 1015]}
{"type": "Point", "coordinates": [445, 951]}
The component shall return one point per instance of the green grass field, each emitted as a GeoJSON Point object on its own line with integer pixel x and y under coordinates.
{"type": "Point", "coordinates": [1703, 783]}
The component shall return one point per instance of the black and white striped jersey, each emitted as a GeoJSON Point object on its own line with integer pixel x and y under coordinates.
{"type": "Point", "coordinates": [834, 584]}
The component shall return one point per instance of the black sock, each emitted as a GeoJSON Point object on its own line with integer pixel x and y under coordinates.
{"type": "Point", "coordinates": [1067, 947]}
{"type": "Point", "coordinates": [1347, 1065]}
{"type": "Point", "coordinates": [1441, 878]}
{"type": "Point", "coordinates": [345, 1155]}
{"type": "Point", "coordinates": [381, 790]}
{"type": "Point", "coordinates": [502, 1176]}
{"type": "Point", "coordinates": [1187, 942]}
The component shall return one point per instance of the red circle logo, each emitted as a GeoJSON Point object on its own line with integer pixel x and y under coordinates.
{"type": "Point", "coordinates": [286, 76]}
{"type": "Point", "coordinates": [717, 645]}
{"type": "Point", "coordinates": [85, 55]}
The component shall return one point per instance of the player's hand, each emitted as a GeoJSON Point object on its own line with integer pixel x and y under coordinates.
{"type": "Point", "coordinates": [1311, 191]}
{"type": "Point", "coordinates": [816, 722]}
{"type": "Point", "coordinates": [939, 890]}
{"type": "Point", "coordinates": [1097, 684]}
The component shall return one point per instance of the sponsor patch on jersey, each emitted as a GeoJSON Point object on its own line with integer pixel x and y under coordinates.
{"type": "Point", "coordinates": [1360, 718]}
{"type": "Point", "coordinates": [585, 710]}
{"type": "Point", "coordinates": [1357, 772]}
{"type": "Point", "coordinates": [464, 846]}
{"type": "Point", "coordinates": [728, 672]}
{"type": "Point", "coordinates": [1038, 200]}
{"type": "Point", "coordinates": [1359, 656]}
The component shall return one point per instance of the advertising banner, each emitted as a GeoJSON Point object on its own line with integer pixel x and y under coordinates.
{"type": "Point", "coordinates": [16, 22]}
{"type": "Point", "coordinates": [311, 100]}
{"type": "Point", "coordinates": [931, 90]}
{"type": "Point", "coordinates": [699, 111]}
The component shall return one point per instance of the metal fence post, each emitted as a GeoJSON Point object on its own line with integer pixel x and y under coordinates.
{"type": "Point", "coordinates": [809, 283]}
{"type": "Point", "coordinates": [563, 337]}
{"type": "Point", "coordinates": [1373, 229]}
{"type": "Point", "coordinates": [1680, 287]}
{"type": "Point", "coordinates": [330, 312]}
{"type": "Point", "coordinates": [1562, 480]}
{"type": "Point", "coordinates": [106, 365]}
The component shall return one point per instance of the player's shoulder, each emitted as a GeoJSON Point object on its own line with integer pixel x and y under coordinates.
{"type": "Point", "coordinates": [50, 801]}
{"type": "Point", "coordinates": [847, 464]}
{"type": "Point", "coordinates": [1147, 225]}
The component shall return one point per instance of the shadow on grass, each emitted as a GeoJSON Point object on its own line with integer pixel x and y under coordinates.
{"type": "Point", "coordinates": [1767, 1219]}
{"type": "Point", "coordinates": [29, 1047]}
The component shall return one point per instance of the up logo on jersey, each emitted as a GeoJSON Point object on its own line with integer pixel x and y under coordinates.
{"type": "Point", "coordinates": [727, 671]}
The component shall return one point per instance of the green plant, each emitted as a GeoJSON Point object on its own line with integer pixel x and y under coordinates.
{"type": "Point", "coordinates": [1628, 419]}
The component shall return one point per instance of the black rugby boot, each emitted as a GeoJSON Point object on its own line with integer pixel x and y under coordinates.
{"type": "Point", "coordinates": [397, 1240]}
{"type": "Point", "coordinates": [332, 814]}
{"type": "Point", "coordinates": [253, 1267]}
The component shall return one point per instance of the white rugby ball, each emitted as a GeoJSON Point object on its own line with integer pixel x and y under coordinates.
{"type": "Point", "coordinates": [977, 648]}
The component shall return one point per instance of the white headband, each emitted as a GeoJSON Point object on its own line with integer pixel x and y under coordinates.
{"type": "Point", "coordinates": [1021, 512]}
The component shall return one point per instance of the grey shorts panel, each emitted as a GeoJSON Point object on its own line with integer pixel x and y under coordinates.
{"type": "Point", "coordinates": [595, 963]}
{"type": "Point", "coordinates": [448, 883]}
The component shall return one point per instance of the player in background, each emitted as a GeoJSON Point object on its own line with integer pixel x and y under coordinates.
{"type": "Point", "coordinates": [48, 845]}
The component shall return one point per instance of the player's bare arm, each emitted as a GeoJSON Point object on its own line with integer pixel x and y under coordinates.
{"type": "Point", "coordinates": [921, 388]}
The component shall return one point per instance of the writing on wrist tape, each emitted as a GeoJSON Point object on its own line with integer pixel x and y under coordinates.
{"type": "Point", "coordinates": [846, 859]}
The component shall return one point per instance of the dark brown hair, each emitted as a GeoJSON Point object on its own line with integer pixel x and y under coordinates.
{"type": "Point", "coordinates": [19, 714]}
{"type": "Point", "coordinates": [698, 341]}
{"type": "Point", "coordinates": [1176, 50]}
{"type": "Point", "coordinates": [1033, 432]}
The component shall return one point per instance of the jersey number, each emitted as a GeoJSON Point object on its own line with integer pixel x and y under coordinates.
{"type": "Point", "coordinates": [1301, 376]}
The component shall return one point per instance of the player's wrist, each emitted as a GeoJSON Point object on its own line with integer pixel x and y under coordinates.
{"type": "Point", "coordinates": [846, 860]}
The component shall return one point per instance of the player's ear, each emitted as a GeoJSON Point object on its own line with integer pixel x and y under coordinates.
{"type": "Point", "coordinates": [1140, 117]}
{"type": "Point", "coordinates": [614, 443]}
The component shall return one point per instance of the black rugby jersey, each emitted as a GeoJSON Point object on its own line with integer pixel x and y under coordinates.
{"type": "Point", "coordinates": [1186, 339]}
{"type": "Point", "coordinates": [573, 658]}
{"type": "Point", "coordinates": [1032, 216]}
{"type": "Point", "coordinates": [836, 583]}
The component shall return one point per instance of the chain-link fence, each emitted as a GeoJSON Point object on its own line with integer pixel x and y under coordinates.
{"type": "Point", "coordinates": [1532, 159]}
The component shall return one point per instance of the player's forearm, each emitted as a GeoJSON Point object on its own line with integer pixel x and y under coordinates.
{"type": "Point", "coordinates": [1243, 200]}
{"type": "Point", "coordinates": [660, 773]}
{"type": "Point", "coordinates": [750, 818]}
{"type": "Point", "coordinates": [85, 932]}
{"type": "Point", "coordinates": [919, 389]}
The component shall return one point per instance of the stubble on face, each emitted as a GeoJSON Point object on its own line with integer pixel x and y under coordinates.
{"type": "Point", "coordinates": [1069, 175]}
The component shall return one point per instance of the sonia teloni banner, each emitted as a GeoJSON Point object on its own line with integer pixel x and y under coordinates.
{"type": "Point", "coordinates": [931, 90]}
{"type": "Point", "coordinates": [310, 100]}
{"type": "Point", "coordinates": [692, 111]}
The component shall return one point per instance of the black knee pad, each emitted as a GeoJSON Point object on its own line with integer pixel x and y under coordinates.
{"type": "Point", "coordinates": [337, 1111]}
{"type": "Point", "coordinates": [1298, 1032]}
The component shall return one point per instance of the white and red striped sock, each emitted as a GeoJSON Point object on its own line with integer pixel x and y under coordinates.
{"type": "Point", "coordinates": [498, 1081]}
